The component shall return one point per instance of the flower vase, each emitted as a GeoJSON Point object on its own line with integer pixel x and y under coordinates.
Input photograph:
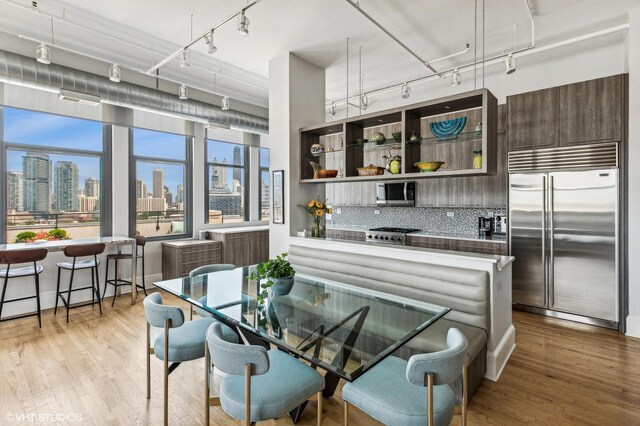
{"type": "Point", "coordinates": [316, 232]}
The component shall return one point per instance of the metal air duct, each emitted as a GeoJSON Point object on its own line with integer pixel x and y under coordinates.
{"type": "Point", "coordinates": [25, 71]}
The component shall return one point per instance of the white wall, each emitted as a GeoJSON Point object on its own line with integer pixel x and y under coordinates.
{"type": "Point", "coordinates": [633, 42]}
{"type": "Point", "coordinates": [296, 100]}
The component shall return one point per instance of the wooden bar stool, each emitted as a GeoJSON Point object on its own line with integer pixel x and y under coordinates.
{"type": "Point", "coordinates": [11, 257]}
{"type": "Point", "coordinates": [84, 250]}
{"type": "Point", "coordinates": [117, 282]}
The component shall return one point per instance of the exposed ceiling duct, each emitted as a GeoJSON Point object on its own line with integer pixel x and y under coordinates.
{"type": "Point", "coordinates": [25, 71]}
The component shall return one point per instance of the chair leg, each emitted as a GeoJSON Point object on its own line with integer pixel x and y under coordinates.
{"type": "Point", "coordinates": [97, 288]}
{"type": "Point", "coordinates": [207, 390]}
{"type": "Point", "coordinates": [148, 350]}
{"type": "Point", "coordinates": [167, 326]}
{"type": "Point", "coordinates": [319, 408]}
{"type": "Point", "coordinates": [4, 290]}
{"type": "Point", "coordinates": [144, 286]}
{"type": "Point", "coordinates": [115, 288]}
{"type": "Point", "coordinates": [69, 292]}
{"type": "Point", "coordinates": [247, 395]}
{"type": "Point", "coordinates": [430, 398]}
{"type": "Point", "coordinates": [465, 378]}
{"type": "Point", "coordinates": [55, 311]}
{"type": "Point", "coordinates": [93, 288]}
{"type": "Point", "coordinates": [346, 413]}
{"type": "Point", "coordinates": [106, 278]}
{"type": "Point", "coordinates": [38, 300]}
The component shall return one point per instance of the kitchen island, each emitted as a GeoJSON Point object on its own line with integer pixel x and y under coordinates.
{"type": "Point", "coordinates": [496, 302]}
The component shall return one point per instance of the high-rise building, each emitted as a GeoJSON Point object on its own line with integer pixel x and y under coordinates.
{"type": "Point", "coordinates": [92, 187]}
{"type": "Point", "coordinates": [180, 194]}
{"type": "Point", "coordinates": [141, 189]}
{"type": "Point", "coordinates": [36, 186]}
{"type": "Point", "coordinates": [168, 196]}
{"type": "Point", "coordinates": [158, 183]}
{"type": "Point", "coordinates": [237, 173]}
{"type": "Point", "coordinates": [87, 204]}
{"type": "Point", "coordinates": [66, 185]}
{"type": "Point", "coordinates": [151, 204]}
{"type": "Point", "coordinates": [220, 177]}
{"type": "Point", "coordinates": [14, 191]}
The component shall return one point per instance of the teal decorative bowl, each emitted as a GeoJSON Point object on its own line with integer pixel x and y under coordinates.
{"type": "Point", "coordinates": [448, 129]}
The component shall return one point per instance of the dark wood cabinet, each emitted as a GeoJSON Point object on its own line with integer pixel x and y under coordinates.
{"type": "Point", "coordinates": [243, 247]}
{"type": "Point", "coordinates": [533, 119]}
{"type": "Point", "coordinates": [181, 257]}
{"type": "Point", "coordinates": [469, 246]}
{"type": "Point", "coordinates": [591, 111]}
{"type": "Point", "coordinates": [345, 234]}
{"type": "Point", "coordinates": [428, 242]}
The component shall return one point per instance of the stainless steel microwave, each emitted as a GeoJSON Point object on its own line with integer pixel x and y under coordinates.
{"type": "Point", "coordinates": [396, 194]}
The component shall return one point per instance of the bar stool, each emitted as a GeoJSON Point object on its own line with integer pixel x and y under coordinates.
{"type": "Point", "coordinates": [84, 250]}
{"type": "Point", "coordinates": [10, 257]}
{"type": "Point", "coordinates": [117, 282]}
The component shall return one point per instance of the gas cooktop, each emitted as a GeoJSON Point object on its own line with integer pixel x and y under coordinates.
{"type": "Point", "coordinates": [389, 235]}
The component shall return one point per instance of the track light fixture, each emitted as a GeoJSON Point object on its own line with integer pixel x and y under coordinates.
{"type": "Point", "coordinates": [405, 92]}
{"type": "Point", "coordinates": [43, 54]}
{"type": "Point", "coordinates": [184, 59]}
{"type": "Point", "coordinates": [455, 78]}
{"type": "Point", "coordinates": [510, 64]}
{"type": "Point", "coordinates": [226, 105]}
{"type": "Point", "coordinates": [209, 42]}
{"type": "Point", "coordinates": [332, 109]}
{"type": "Point", "coordinates": [183, 92]}
{"type": "Point", "coordinates": [114, 73]}
{"type": "Point", "coordinates": [364, 101]}
{"type": "Point", "coordinates": [243, 24]}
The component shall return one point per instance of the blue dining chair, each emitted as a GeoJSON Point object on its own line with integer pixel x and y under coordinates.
{"type": "Point", "coordinates": [259, 384]}
{"type": "Point", "coordinates": [393, 391]}
{"type": "Point", "coordinates": [204, 270]}
{"type": "Point", "coordinates": [179, 342]}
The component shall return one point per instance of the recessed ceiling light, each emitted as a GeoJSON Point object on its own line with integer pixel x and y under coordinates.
{"type": "Point", "coordinates": [183, 92]}
{"type": "Point", "coordinates": [243, 24]}
{"type": "Point", "coordinates": [114, 73]}
{"type": "Point", "coordinates": [455, 78]}
{"type": "Point", "coordinates": [510, 64]}
{"type": "Point", "coordinates": [184, 59]}
{"type": "Point", "coordinates": [210, 44]}
{"type": "Point", "coordinates": [226, 104]}
{"type": "Point", "coordinates": [405, 92]}
{"type": "Point", "coordinates": [43, 54]}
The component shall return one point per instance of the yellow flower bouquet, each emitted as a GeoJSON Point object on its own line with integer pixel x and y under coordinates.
{"type": "Point", "coordinates": [317, 209]}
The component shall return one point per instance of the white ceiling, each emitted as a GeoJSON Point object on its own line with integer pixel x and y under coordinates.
{"type": "Point", "coordinates": [138, 34]}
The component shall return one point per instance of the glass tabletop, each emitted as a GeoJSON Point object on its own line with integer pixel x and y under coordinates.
{"type": "Point", "coordinates": [342, 328]}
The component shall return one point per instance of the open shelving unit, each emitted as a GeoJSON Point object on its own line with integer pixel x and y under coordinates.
{"type": "Point", "coordinates": [344, 154]}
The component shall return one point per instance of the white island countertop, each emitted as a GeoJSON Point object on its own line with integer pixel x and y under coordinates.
{"type": "Point", "coordinates": [232, 230]}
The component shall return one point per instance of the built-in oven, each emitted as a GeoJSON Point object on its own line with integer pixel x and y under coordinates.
{"type": "Point", "coordinates": [396, 193]}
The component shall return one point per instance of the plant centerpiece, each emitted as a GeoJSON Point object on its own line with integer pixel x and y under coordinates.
{"type": "Point", "coordinates": [317, 209]}
{"type": "Point", "coordinates": [42, 236]}
{"type": "Point", "coordinates": [275, 274]}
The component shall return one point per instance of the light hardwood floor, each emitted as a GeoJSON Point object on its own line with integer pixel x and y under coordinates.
{"type": "Point", "coordinates": [94, 367]}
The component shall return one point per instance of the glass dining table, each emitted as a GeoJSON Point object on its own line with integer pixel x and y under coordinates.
{"type": "Point", "coordinates": [340, 328]}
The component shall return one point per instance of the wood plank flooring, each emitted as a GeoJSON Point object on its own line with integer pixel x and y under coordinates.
{"type": "Point", "coordinates": [93, 370]}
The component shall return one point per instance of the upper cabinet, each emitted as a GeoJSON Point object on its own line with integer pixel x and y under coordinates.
{"type": "Point", "coordinates": [580, 113]}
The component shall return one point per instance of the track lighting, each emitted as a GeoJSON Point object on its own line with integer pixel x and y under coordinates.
{"type": "Point", "coordinates": [184, 59]}
{"type": "Point", "coordinates": [209, 42]}
{"type": "Point", "coordinates": [455, 78]}
{"type": "Point", "coordinates": [243, 24]}
{"type": "Point", "coordinates": [225, 103]}
{"type": "Point", "coordinates": [332, 109]}
{"type": "Point", "coordinates": [364, 101]}
{"type": "Point", "coordinates": [510, 64]}
{"type": "Point", "coordinates": [43, 54]}
{"type": "Point", "coordinates": [114, 73]}
{"type": "Point", "coordinates": [405, 92]}
{"type": "Point", "coordinates": [183, 92]}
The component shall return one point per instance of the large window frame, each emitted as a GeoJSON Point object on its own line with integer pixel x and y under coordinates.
{"type": "Point", "coordinates": [188, 178]}
{"type": "Point", "coordinates": [246, 176]}
{"type": "Point", "coordinates": [264, 169]}
{"type": "Point", "coordinates": [104, 157]}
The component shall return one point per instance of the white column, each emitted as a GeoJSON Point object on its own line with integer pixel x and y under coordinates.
{"type": "Point", "coordinates": [198, 186]}
{"type": "Point", "coordinates": [633, 320]}
{"type": "Point", "coordinates": [296, 99]}
{"type": "Point", "coordinates": [120, 180]}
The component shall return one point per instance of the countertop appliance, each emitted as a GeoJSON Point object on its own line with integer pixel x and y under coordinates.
{"type": "Point", "coordinates": [499, 225]}
{"type": "Point", "coordinates": [564, 232]}
{"type": "Point", "coordinates": [485, 226]}
{"type": "Point", "coordinates": [388, 235]}
{"type": "Point", "coordinates": [396, 194]}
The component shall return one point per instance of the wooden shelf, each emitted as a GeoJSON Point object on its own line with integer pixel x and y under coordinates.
{"type": "Point", "coordinates": [401, 176]}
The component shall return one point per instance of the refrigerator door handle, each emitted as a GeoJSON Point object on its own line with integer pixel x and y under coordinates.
{"type": "Point", "coordinates": [550, 278]}
{"type": "Point", "coordinates": [544, 239]}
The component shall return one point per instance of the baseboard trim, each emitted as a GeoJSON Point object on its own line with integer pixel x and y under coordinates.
{"type": "Point", "coordinates": [497, 359]}
{"type": "Point", "coordinates": [633, 326]}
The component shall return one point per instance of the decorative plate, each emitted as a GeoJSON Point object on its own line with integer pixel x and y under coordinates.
{"type": "Point", "coordinates": [449, 128]}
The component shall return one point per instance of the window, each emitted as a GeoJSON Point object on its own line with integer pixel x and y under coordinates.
{"type": "Point", "coordinates": [54, 173]}
{"type": "Point", "coordinates": [161, 195]}
{"type": "Point", "coordinates": [226, 177]}
{"type": "Point", "coordinates": [265, 184]}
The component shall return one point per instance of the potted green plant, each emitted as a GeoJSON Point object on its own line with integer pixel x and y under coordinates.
{"type": "Point", "coordinates": [275, 274]}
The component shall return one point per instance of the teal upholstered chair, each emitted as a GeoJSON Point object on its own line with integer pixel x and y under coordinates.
{"type": "Point", "coordinates": [259, 384]}
{"type": "Point", "coordinates": [393, 391]}
{"type": "Point", "coordinates": [179, 342]}
{"type": "Point", "coordinates": [204, 270]}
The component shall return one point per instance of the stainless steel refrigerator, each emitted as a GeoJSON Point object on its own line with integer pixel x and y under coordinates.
{"type": "Point", "coordinates": [564, 236]}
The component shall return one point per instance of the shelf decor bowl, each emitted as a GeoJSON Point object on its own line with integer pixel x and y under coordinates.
{"type": "Point", "coordinates": [448, 129]}
{"type": "Point", "coordinates": [327, 173]}
{"type": "Point", "coordinates": [378, 138]}
{"type": "Point", "coordinates": [370, 170]}
{"type": "Point", "coordinates": [430, 166]}
{"type": "Point", "coordinates": [317, 149]}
